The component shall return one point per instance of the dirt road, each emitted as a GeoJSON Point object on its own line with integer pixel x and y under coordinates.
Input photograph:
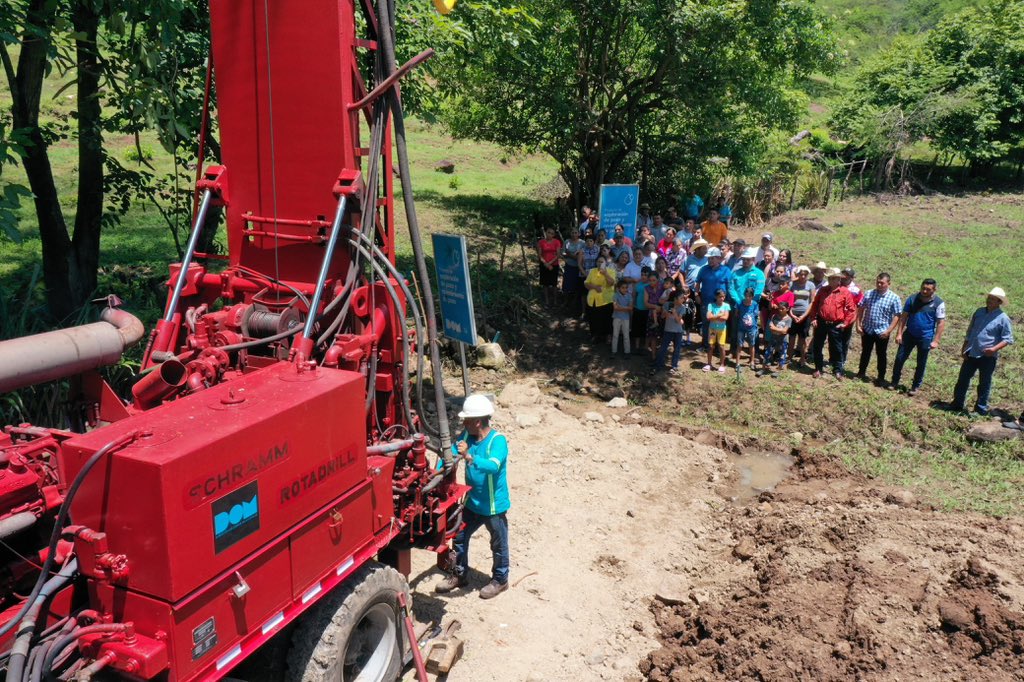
{"type": "Point", "coordinates": [624, 537]}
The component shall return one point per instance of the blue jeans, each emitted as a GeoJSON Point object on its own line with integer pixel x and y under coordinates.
{"type": "Point", "coordinates": [497, 526]}
{"type": "Point", "coordinates": [910, 342]}
{"type": "Point", "coordinates": [668, 337]}
{"type": "Point", "coordinates": [775, 349]}
{"type": "Point", "coordinates": [985, 367]}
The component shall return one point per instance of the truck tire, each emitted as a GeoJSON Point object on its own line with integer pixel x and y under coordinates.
{"type": "Point", "coordinates": [355, 634]}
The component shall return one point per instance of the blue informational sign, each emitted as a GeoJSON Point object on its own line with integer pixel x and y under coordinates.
{"type": "Point", "coordinates": [453, 287]}
{"type": "Point", "coordinates": [618, 206]}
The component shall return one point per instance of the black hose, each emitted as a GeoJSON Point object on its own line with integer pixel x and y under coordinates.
{"type": "Point", "coordinates": [58, 526]}
{"type": "Point", "coordinates": [21, 652]}
{"type": "Point", "coordinates": [388, 44]}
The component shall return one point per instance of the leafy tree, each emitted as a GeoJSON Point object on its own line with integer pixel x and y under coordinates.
{"type": "Point", "coordinates": [76, 38]}
{"type": "Point", "coordinates": [961, 86]}
{"type": "Point", "coordinates": [617, 90]}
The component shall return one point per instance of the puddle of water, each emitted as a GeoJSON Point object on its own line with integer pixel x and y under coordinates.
{"type": "Point", "coordinates": [758, 472]}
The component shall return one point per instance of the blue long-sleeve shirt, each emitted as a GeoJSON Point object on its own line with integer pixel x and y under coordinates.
{"type": "Point", "coordinates": [742, 280]}
{"type": "Point", "coordinates": [486, 473]}
{"type": "Point", "coordinates": [988, 327]}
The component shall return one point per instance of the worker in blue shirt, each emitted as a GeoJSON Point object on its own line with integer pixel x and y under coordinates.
{"type": "Point", "coordinates": [485, 452]}
{"type": "Point", "coordinates": [987, 334]}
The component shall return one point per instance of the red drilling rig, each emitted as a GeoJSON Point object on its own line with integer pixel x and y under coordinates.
{"type": "Point", "coordinates": [273, 469]}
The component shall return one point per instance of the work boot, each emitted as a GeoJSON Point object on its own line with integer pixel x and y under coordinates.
{"type": "Point", "coordinates": [451, 583]}
{"type": "Point", "coordinates": [493, 589]}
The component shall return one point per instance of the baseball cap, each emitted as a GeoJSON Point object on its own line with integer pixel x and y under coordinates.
{"type": "Point", "coordinates": [714, 252]}
{"type": "Point", "coordinates": [767, 235]}
{"type": "Point", "coordinates": [849, 272]}
{"type": "Point", "coordinates": [749, 253]}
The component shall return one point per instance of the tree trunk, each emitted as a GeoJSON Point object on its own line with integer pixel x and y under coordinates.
{"type": "Point", "coordinates": [85, 244]}
{"type": "Point", "coordinates": [26, 91]}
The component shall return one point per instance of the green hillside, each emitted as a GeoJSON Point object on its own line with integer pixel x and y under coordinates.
{"type": "Point", "coordinates": [864, 26]}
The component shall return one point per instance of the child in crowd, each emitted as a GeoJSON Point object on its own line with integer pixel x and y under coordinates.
{"type": "Point", "coordinates": [638, 324]}
{"type": "Point", "coordinates": [718, 318]}
{"type": "Point", "coordinates": [776, 340]}
{"type": "Point", "coordinates": [747, 311]}
{"type": "Point", "coordinates": [622, 312]}
{"type": "Point", "coordinates": [673, 314]}
{"type": "Point", "coordinates": [653, 292]}
{"type": "Point", "coordinates": [689, 313]}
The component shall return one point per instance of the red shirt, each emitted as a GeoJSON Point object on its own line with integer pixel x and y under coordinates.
{"type": "Point", "coordinates": [834, 306]}
{"type": "Point", "coordinates": [549, 250]}
{"type": "Point", "coordinates": [778, 297]}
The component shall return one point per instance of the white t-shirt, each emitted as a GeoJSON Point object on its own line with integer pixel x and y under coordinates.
{"type": "Point", "coordinates": [760, 254]}
{"type": "Point", "coordinates": [632, 271]}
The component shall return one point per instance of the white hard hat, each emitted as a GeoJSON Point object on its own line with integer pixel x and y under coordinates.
{"type": "Point", "coordinates": [476, 405]}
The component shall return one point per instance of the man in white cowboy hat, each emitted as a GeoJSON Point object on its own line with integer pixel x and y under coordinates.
{"type": "Point", "coordinates": [832, 311]}
{"type": "Point", "coordinates": [987, 334]}
{"type": "Point", "coordinates": [485, 452]}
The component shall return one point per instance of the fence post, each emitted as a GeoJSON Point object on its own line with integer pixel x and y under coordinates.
{"type": "Point", "coordinates": [792, 194]}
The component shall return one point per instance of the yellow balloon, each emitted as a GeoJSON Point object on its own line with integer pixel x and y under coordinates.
{"type": "Point", "coordinates": [444, 6]}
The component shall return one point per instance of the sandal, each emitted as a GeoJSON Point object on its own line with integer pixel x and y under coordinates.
{"type": "Point", "coordinates": [707, 368]}
{"type": "Point", "coordinates": [721, 369]}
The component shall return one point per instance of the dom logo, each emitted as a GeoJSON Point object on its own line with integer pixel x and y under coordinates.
{"type": "Point", "coordinates": [235, 516]}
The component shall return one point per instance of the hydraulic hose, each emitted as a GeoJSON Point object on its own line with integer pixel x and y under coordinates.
{"type": "Point", "coordinates": [22, 644]}
{"type": "Point", "coordinates": [388, 44]}
{"type": "Point", "coordinates": [405, 337]}
{"type": "Point", "coordinates": [58, 526]}
{"type": "Point", "coordinates": [418, 320]}
{"type": "Point", "coordinates": [59, 645]}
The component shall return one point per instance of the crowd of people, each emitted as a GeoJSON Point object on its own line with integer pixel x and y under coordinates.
{"type": "Point", "coordinates": [683, 285]}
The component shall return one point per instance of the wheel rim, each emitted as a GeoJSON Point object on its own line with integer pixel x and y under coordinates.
{"type": "Point", "coordinates": [372, 646]}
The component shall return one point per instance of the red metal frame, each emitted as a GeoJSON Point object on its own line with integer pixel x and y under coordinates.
{"type": "Point", "coordinates": [246, 492]}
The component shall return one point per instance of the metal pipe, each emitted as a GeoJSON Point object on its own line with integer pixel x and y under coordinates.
{"type": "Point", "coordinates": [390, 446]}
{"type": "Point", "coordinates": [190, 251]}
{"type": "Point", "coordinates": [66, 352]}
{"type": "Point", "coordinates": [16, 523]}
{"type": "Point", "coordinates": [165, 379]}
{"type": "Point", "coordinates": [325, 267]}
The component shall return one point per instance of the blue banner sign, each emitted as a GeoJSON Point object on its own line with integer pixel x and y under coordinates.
{"type": "Point", "coordinates": [618, 206]}
{"type": "Point", "coordinates": [453, 287]}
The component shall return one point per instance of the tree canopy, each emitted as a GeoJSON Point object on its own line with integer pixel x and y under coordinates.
{"type": "Point", "coordinates": [960, 86]}
{"type": "Point", "coordinates": [620, 91]}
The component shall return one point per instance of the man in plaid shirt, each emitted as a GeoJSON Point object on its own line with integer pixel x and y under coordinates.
{"type": "Point", "coordinates": [877, 315]}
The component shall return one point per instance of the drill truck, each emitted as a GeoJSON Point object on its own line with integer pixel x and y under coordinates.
{"type": "Point", "coordinates": [257, 497]}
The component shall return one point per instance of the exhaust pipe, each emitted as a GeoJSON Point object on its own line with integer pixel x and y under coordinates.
{"type": "Point", "coordinates": [166, 378]}
{"type": "Point", "coordinates": [66, 352]}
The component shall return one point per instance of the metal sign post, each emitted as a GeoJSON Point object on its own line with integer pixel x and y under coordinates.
{"type": "Point", "coordinates": [451, 264]}
{"type": "Point", "coordinates": [617, 206]}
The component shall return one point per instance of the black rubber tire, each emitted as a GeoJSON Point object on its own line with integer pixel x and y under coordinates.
{"type": "Point", "coordinates": [323, 635]}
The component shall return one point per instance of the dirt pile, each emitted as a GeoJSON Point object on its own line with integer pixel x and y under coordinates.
{"type": "Point", "coordinates": [847, 582]}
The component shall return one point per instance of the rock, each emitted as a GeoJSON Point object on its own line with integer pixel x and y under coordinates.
{"type": "Point", "coordinates": [624, 663]}
{"type": "Point", "coordinates": [630, 514]}
{"type": "Point", "coordinates": [593, 417]}
{"type": "Point", "coordinates": [528, 419]}
{"type": "Point", "coordinates": [813, 226]}
{"type": "Point", "coordinates": [490, 355]}
{"type": "Point", "coordinates": [445, 166]}
{"type": "Point", "coordinates": [991, 432]}
{"type": "Point", "coordinates": [618, 402]}
{"type": "Point", "coordinates": [902, 498]}
{"type": "Point", "coordinates": [524, 393]}
{"type": "Point", "coordinates": [596, 658]}
{"type": "Point", "coordinates": [745, 549]}
{"type": "Point", "coordinates": [954, 616]}
{"type": "Point", "coordinates": [842, 650]}
{"type": "Point", "coordinates": [796, 437]}
{"type": "Point", "coordinates": [669, 595]}
{"type": "Point", "coordinates": [616, 418]}
{"type": "Point", "coordinates": [536, 677]}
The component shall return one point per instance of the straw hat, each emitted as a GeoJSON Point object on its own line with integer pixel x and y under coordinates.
{"type": "Point", "coordinates": [833, 272]}
{"type": "Point", "coordinates": [1000, 294]}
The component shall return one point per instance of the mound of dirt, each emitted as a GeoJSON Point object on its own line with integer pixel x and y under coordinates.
{"type": "Point", "coordinates": [848, 583]}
